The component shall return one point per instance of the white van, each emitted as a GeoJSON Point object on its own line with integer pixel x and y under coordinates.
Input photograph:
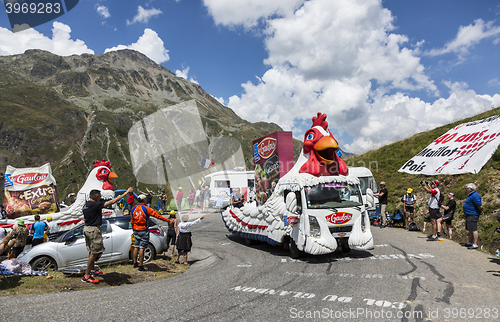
{"type": "Point", "coordinates": [368, 187]}
{"type": "Point", "coordinates": [221, 182]}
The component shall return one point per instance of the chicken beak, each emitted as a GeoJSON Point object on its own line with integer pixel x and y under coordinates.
{"type": "Point", "coordinates": [112, 175]}
{"type": "Point", "coordinates": [326, 149]}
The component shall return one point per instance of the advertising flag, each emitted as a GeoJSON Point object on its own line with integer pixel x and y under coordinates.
{"type": "Point", "coordinates": [465, 148]}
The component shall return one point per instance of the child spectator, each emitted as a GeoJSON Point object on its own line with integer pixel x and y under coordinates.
{"type": "Point", "coordinates": [184, 242]}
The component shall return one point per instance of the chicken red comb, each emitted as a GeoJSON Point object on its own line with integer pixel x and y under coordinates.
{"type": "Point", "coordinates": [102, 163]}
{"type": "Point", "coordinates": [320, 120]}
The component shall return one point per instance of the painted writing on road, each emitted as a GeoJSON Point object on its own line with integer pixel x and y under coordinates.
{"type": "Point", "coordinates": [374, 257]}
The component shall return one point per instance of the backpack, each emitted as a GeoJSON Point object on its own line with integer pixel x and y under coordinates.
{"type": "Point", "coordinates": [413, 227]}
{"type": "Point", "coordinates": [139, 217]}
{"type": "Point", "coordinates": [440, 200]}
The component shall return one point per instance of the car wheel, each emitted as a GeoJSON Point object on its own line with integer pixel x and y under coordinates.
{"type": "Point", "coordinates": [149, 253]}
{"type": "Point", "coordinates": [44, 263]}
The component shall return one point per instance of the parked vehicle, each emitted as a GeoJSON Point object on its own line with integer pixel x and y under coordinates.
{"type": "Point", "coordinates": [221, 182]}
{"type": "Point", "coordinates": [69, 249]}
{"type": "Point", "coordinates": [368, 188]}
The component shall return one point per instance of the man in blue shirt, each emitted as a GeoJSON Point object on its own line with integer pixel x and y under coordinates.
{"type": "Point", "coordinates": [38, 229]}
{"type": "Point", "coordinates": [473, 207]}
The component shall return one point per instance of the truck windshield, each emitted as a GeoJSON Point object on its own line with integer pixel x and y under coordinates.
{"type": "Point", "coordinates": [332, 195]}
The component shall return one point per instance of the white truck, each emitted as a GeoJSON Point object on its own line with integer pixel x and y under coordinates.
{"type": "Point", "coordinates": [221, 183]}
{"type": "Point", "coordinates": [368, 187]}
{"type": "Point", "coordinates": [314, 208]}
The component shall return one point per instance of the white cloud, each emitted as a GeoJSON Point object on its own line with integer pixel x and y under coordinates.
{"type": "Point", "coordinates": [102, 11]}
{"type": "Point", "coordinates": [494, 82]}
{"type": "Point", "coordinates": [143, 15]}
{"type": "Point", "coordinates": [343, 58]}
{"type": "Point", "coordinates": [150, 44]}
{"type": "Point", "coordinates": [248, 12]}
{"type": "Point", "coordinates": [467, 37]}
{"type": "Point", "coordinates": [219, 99]}
{"type": "Point", "coordinates": [399, 116]}
{"type": "Point", "coordinates": [184, 74]}
{"type": "Point", "coordinates": [60, 43]}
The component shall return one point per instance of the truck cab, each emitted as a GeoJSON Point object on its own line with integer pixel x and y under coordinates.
{"type": "Point", "coordinates": [325, 216]}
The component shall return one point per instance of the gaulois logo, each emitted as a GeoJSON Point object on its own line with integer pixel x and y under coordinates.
{"type": "Point", "coordinates": [339, 218]}
{"type": "Point", "coordinates": [29, 178]}
{"type": "Point", "coordinates": [266, 147]}
{"type": "Point", "coordinates": [292, 220]}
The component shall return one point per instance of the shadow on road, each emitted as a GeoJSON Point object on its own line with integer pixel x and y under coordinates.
{"type": "Point", "coordinates": [279, 251]}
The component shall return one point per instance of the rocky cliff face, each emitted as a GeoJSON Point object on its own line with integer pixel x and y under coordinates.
{"type": "Point", "coordinates": [71, 111]}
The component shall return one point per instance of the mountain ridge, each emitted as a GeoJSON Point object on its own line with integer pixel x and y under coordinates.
{"type": "Point", "coordinates": [73, 110]}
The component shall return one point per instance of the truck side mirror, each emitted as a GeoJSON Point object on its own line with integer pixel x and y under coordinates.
{"type": "Point", "coordinates": [370, 198]}
{"type": "Point", "coordinates": [291, 202]}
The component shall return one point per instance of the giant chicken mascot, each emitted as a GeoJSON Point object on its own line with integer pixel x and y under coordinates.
{"type": "Point", "coordinates": [99, 178]}
{"type": "Point", "coordinates": [317, 163]}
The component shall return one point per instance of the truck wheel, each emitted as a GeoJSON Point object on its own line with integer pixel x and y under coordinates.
{"type": "Point", "coordinates": [294, 251]}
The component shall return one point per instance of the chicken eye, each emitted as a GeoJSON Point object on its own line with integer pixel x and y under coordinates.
{"type": "Point", "coordinates": [310, 136]}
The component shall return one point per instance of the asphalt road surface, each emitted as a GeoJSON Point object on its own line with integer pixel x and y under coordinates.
{"type": "Point", "coordinates": [404, 278]}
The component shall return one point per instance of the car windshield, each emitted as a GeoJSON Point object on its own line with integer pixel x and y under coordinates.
{"type": "Point", "coordinates": [332, 195]}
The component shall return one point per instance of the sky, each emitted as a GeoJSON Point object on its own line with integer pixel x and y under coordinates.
{"type": "Point", "coordinates": [382, 70]}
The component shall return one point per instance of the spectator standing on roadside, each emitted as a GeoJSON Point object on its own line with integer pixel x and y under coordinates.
{"type": "Point", "coordinates": [206, 198]}
{"type": "Point", "coordinates": [52, 225]}
{"type": "Point", "coordinates": [473, 208]}
{"type": "Point", "coordinates": [171, 232]}
{"type": "Point", "coordinates": [178, 199]}
{"type": "Point", "coordinates": [382, 200]}
{"type": "Point", "coordinates": [184, 242]}
{"type": "Point", "coordinates": [20, 234]}
{"type": "Point", "coordinates": [38, 230]}
{"type": "Point", "coordinates": [191, 200]}
{"type": "Point", "coordinates": [163, 200]}
{"type": "Point", "coordinates": [139, 218]}
{"type": "Point", "coordinates": [149, 197]}
{"type": "Point", "coordinates": [410, 201]}
{"type": "Point", "coordinates": [92, 214]}
{"type": "Point", "coordinates": [449, 211]}
{"type": "Point", "coordinates": [433, 206]}
{"type": "Point", "coordinates": [130, 201]}
{"type": "Point", "coordinates": [197, 197]}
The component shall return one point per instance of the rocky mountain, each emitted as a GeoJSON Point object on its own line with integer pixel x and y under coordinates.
{"type": "Point", "coordinates": [70, 111]}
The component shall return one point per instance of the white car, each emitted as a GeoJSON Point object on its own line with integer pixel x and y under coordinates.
{"type": "Point", "coordinates": [69, 248]}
